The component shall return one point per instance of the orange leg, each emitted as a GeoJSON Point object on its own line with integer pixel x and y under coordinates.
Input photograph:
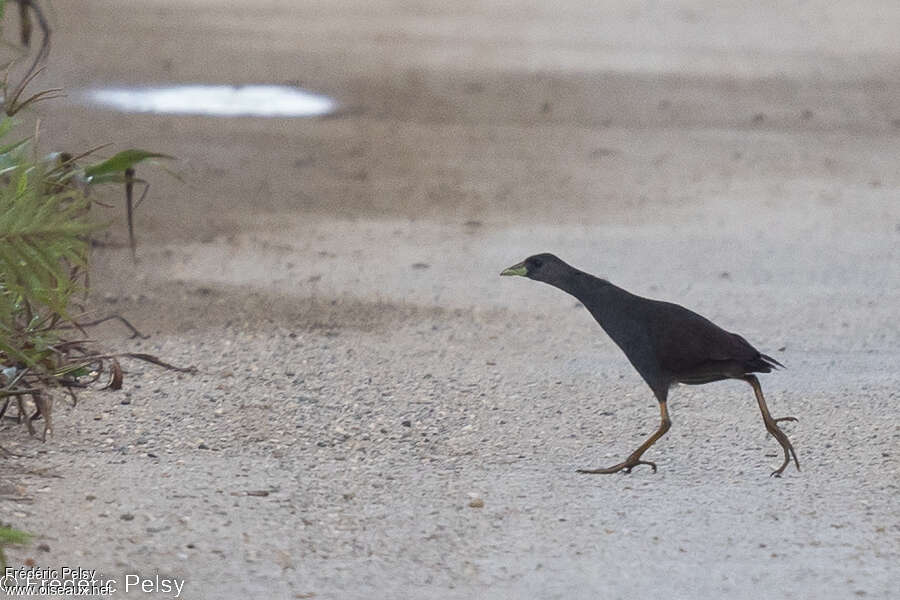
{"type": "Point", "coordinates": [635, 458]}
{"type": "Point", "coordinates": [772, 427]}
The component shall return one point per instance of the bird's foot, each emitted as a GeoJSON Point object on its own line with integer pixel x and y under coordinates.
{"type": "Point", "coordinates": [777, 472]}
{"type": "Point", "coordinates": [786, 445]}
{"type": "Point", "coordinates": [788, 454]}
{"type": "Point", "coordinates": [624, 466]}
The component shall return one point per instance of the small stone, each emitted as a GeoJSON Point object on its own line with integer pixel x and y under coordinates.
{"type": "Point", "coordinates": [202, 446]}
{"type": "Point", "coordinates": [127, 517]}
{"type": "Point", "coordinates": [157, 529]}
{"type": "Point", "coordinates": [43, 547]}
{"type": "Point", "coordinates": [407, 423]}
{"type": "Point", "coordinates": [476, 503]}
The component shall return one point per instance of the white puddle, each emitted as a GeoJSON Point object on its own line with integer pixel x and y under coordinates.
{"type": "Point", "coordinates": [215, 100]}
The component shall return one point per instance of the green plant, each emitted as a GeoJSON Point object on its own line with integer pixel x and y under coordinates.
{"type": "Point", "coordinates": [45, 227]}
{"type": "Point", "coordinates": [9, 537]}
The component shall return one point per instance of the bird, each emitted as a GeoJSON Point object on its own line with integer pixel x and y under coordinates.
{"type": "Point", "coordinates": [666, 343]}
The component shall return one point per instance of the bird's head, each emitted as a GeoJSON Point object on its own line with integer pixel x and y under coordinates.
{"type": "Point", "coordinates": [540, 267]}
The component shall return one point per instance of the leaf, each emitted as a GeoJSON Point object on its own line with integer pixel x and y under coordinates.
{"type": "Point", "coordinates": [74, 370]}
{"type": "Point", "coordinates": [115, 375]}
{"type": "Point", "coordinates": [6, 123]}
{"type": "Point", "coordinates": [122, 161]}
{"type": "Point", "coordinates": [13, 536]}
{"type": "Point", "coordinates": [10, 147]}
{"type": "Point", "coordinates": [115, 177]}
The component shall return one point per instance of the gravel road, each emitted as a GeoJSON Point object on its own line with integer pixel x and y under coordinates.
{"type": "Point", "coordinates": [377, 414]}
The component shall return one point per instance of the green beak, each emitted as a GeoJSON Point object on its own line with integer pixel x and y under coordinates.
{"type": "Point", "coordinates": [518, 269]}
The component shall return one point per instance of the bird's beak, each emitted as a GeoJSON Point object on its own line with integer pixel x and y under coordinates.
{"type": "Point", "coordinates": [518, 269]}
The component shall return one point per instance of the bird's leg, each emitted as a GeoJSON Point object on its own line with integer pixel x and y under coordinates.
{"type": "Point", "coordinates": [635, 458]}
{"type": "Point", "coordinates": [772, 427]}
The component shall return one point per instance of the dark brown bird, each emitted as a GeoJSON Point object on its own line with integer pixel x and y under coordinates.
{"type": "Point", "coordinates": [666, 343]}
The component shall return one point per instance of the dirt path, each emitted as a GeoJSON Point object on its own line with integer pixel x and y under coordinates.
{"type": "Point", "coordinates": [377, 414]}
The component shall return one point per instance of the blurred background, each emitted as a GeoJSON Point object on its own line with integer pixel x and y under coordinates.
{"type": "Point", "coordinates": [721, 121]}
{"type": "Point", "coordinates": [739, 158]}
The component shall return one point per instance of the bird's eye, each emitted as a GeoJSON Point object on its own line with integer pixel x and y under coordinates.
{"type": "Point", "coordinates": [537, 263]}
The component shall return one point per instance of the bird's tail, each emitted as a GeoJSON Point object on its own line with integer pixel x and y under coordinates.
{"type": "Point", "coordinates": [771, 362]}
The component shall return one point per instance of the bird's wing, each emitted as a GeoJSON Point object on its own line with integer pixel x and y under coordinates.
{"type": "Point", "coordinates": [684, 340]}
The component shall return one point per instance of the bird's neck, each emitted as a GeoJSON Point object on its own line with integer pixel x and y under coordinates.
{"type": "Point", "coordinates": [583, 286]}
{"type": "Point", "coordinates": [598, 295]}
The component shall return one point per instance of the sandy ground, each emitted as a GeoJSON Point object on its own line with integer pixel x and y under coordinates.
{"type": "Point", "coordinates": [366, 380]}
